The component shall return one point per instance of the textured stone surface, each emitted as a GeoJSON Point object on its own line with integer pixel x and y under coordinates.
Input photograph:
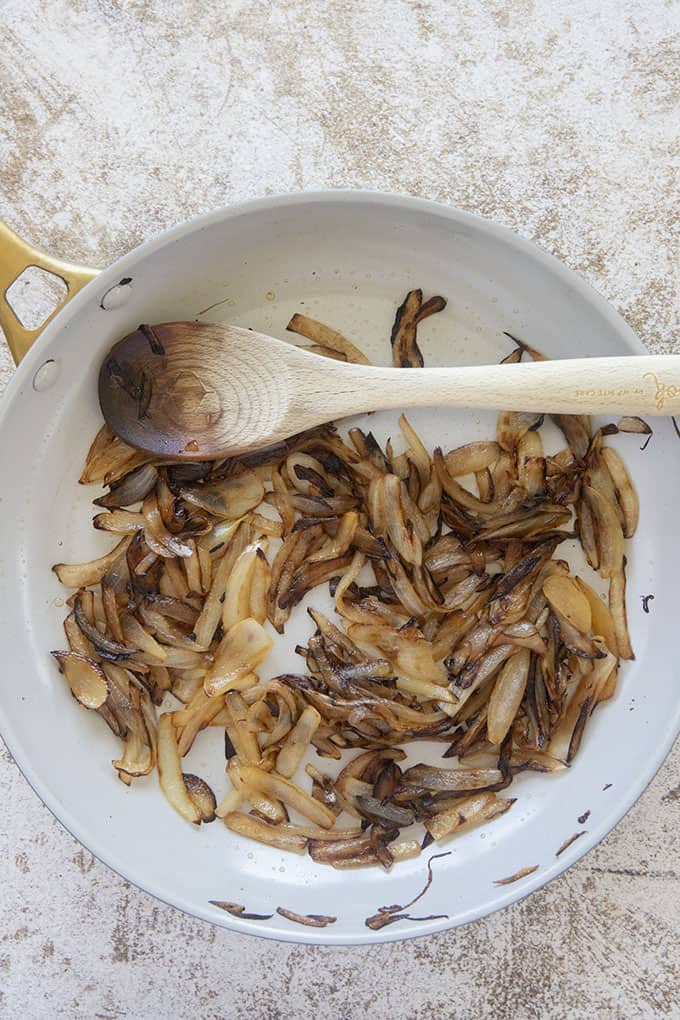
{"type": "Point", "coordinates": [120, 118]}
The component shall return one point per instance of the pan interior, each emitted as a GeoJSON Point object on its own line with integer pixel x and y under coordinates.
{"type": "Point", "coordinates": [349, 262]}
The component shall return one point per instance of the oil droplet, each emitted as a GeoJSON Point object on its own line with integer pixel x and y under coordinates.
{"type": "Point", "coordinates": [58, 603]}
{"type": "Point", "coordinates": [270, 295]}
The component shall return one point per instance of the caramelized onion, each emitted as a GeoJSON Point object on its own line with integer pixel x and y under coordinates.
{"type": "Point", "coordinates": [454, 620]}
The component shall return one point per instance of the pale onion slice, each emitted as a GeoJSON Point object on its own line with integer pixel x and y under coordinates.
{"type": "Point", "coordinates": [86, 679]}
{"type": "Point", "coordinates": [293, 796]}
{"type": "Point", "coordinates": [81, 575]}
{"type": "Point", "coordinates": [609, 534]}
{"type": "Point", "coordinates": [625, 491]}
{"type": "Point", "coordinates": [230, 497]}
{"type": "Point", "coordinates": [507, 695]}
{"type": "Point", "coordinates": [617, 607]}
{"type": "Point", "coordinates": [237, 603]}
{"type": "Point", "coordinates": [601, 617]}
{"type": "Point", "coordinates": [297, 742]}
{"type": "Point", "coordinates": [170, 772]}
{"type": "Point", "coordinates": [239, 653]}
{"type": "Point", "coordinates": [281, 837]}
{"type": "Point", "coordinates": [471, 458]}
{"type": "Point", "coordinates": [567, 598]}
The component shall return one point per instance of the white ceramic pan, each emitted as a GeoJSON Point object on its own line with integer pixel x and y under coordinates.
{"type": "Point", "coordinates": [347, 258]}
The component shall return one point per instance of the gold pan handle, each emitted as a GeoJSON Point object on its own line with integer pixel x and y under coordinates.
{"type": "Point", "coordinates": [16, 256]}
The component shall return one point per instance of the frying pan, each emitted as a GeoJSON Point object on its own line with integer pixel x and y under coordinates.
{"type": "Point", "coordinates": [346, 258]}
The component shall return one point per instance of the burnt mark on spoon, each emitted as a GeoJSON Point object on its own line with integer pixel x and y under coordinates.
{"type": "Point", "coordinates": [152, 339]}
{"type": "Point", "coordinates": [121, 376]}
{"type": "Point", "coordinates": [145, 391]}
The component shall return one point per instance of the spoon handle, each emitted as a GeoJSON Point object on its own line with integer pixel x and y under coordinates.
{"type": "Point", "coordinates": [646, 384]}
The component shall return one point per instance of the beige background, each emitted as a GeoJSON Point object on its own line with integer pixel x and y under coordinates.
{"type": "Point", "coordinates": [559, 119]}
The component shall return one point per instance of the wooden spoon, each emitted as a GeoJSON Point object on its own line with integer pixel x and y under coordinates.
{"type": "Point", "coordinates": [194, 390]}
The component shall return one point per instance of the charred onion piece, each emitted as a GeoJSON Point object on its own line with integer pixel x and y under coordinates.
{"type": "Point", "coordinates": [309, 920]}
{"type": "Point", "coordinates": [238, 910]}
{"type": "Point", "coordinates": [522, 873]}
{"type": "Point", "coordinates": [107, 647]}
{"type": "Point", "coordinates": [202, 796]}
{"type": "Point", "coordinates": [405, 350]}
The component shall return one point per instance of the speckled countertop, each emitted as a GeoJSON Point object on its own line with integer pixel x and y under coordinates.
{"type": "Point", "coordinates": [121, 117]}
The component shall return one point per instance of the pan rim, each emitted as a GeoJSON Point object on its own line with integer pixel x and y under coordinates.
{"type": "Point", "coordinates": [49, 338]}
